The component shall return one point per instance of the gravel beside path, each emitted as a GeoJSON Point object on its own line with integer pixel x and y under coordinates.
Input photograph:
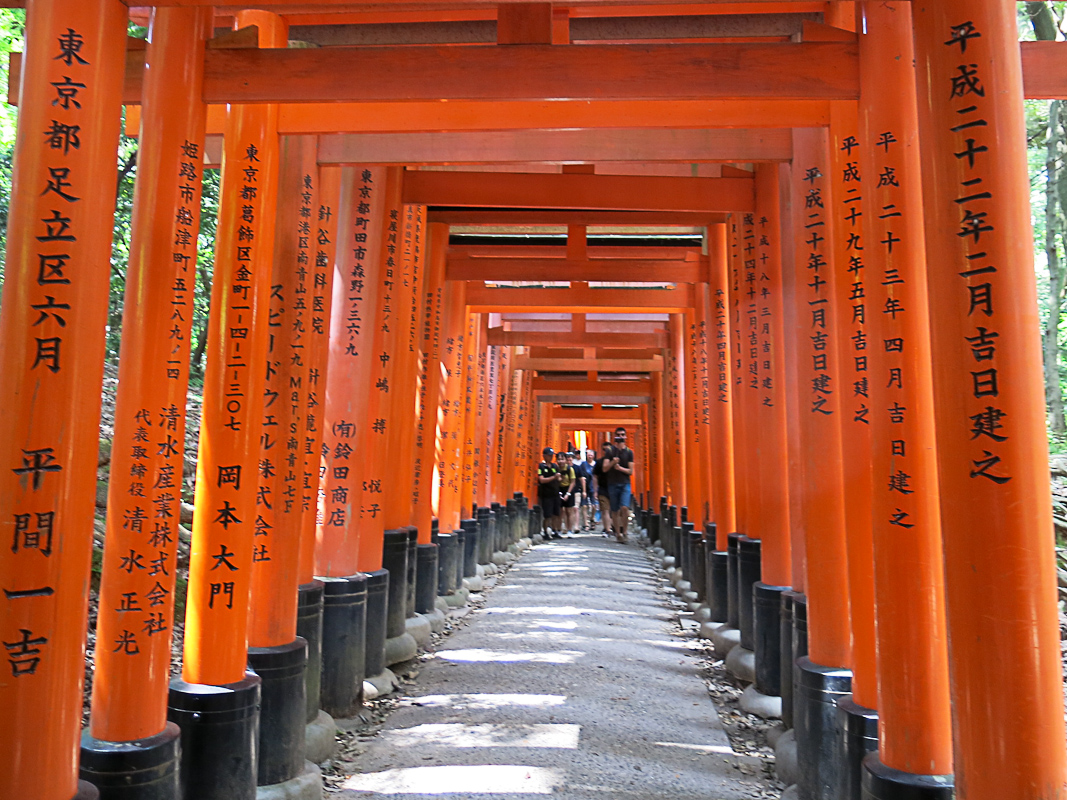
{"type": "Point", "coordinates": [570, 681]}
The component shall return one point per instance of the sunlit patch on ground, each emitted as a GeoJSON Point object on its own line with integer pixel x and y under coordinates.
{"type": "Point", "coordinates": [458, 734]}
{"type": "Point", "coordinates": [479, 779]}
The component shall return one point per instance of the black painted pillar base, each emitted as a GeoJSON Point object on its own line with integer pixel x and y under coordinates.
{"type": "Point", "coordinates": [816, 690]}
{"type": "Point", "coordinates": [685, 552]}
{"type": "Point", "coordinates": [344, 630]}
{"type": "Point", "coordinates": [413, 546]}
{"type": "Point", "coordinates": [733, 581]}
{"type": "Point", "coordinates": [395, 562]}
{"type": "Point", "coordinates": [485, 536]}
{"type": "Point", "coordinates": [282, 709]}
{"type": "Point", "coordinates": [767, 637]}
{"type": "Point", "coordinates": [425, 578]}
{"type": "Point", "coordinates": [144, 769]}
{"type": "Point", "coordinates": [377, 613]}
{"type": "Point", "coordinates": [309, 628]}
{"type": "Point", "coordinates": [654, 534]}
{"type": "Point", "coordinates": [460, 537]}
{"type": "Point", "coordinates": [885, 783]}
{"type": "Point", "coordinates": [857, 728]}
{"type": "Point", "coordinates": [748, 575]}
{"type": "Point", "coordinates": [718, 585]}
{"type": "Point", "coordinates": [698, 563]}
{"type": "Point", "coordinates": [446, 563]}
{"type": "Point", "coordinates": [86, 791]}
{"type": "Point", "coordinates": [785, 663]}
{"type": "Point", "coordinates": [470, 547]}
{"type": "Point", "coordinates": [218, 738]}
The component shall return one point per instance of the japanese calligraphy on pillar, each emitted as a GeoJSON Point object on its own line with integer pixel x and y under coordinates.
{"type": "Point", "coordinates": [849, 274]}
{"type": "Point", "coordinates": [429, 384]}
{"type": "Point", "coordinates": [820, 369]}
{"type": "Point", "coordinates": [981, 288]}
{"type": "Point", "coordinates": [148, 452]}
{"type": "Point", "coordinates": [356, 278]}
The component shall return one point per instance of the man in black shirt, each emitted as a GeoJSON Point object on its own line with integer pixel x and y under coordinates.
{"type": "Point", "coordinates": [548, 492]}
{"type": "Point", "coordinates": [617, 471]}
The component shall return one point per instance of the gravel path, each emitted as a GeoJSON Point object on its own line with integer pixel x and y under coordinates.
{"type": "Point", "coordinates": [570, 681]}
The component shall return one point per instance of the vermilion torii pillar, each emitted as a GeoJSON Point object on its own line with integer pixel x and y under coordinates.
{"type": "Point", "coordinates": [220, 565]}
{"type": "Point", "coordinates": [450, 428]}
{"type": "Point", "coordinates": [770, 430]}
{"type": "Point", "coordinates": [722, 440]}
{"type": "Point", "coordinates": [848, 281]}
{"type": "Point", "coordinates": [317, 328]}
{"type": "Point", "coordinates": [915, 726]}
{"type": "Point", "coordinates": [52, 329]}
{"type": "Point", "coordinates": [823, 673]}
{"type": "Point", "coordinates": [359, 212]}
{"type": "Point", "coordinates": [148, 451]}
{"type": "Point", "coordinates": [430, 381]}
{"type": "Point", "coordinates": [1000, 577]}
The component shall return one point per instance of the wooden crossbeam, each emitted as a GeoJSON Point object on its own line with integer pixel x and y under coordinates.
{"type": "Point", "coordinates": [559, 146]}
{"type": "Point", "coordinates": [546, 190]}
{"type": "Point", "coordinates": [563, 397]}
{"type": "Point", "coordinates": [477, 115]}
{"type": "Point", "coordinates": [602, 415]}
{"type": "Point", "coordinates": [499, 336]}
{"type": "Point", "coordinates": [551, 216]}
{"type": "Point", "coordinates": [639, 386]}
{"type": "Point", "coordinates": [800, 71]}
{"type": "Point", "coordinates": [567, 269]}
{"type": "Point", "coordinates": [482, 299]}
{"type": "Point", "coordinates": [654, 364]}
{"type": "Point", "coordinates": [509, 251]}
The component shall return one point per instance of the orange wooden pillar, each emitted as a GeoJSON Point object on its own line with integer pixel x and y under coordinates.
{"type": "Point", "coordinates": [655, 415]}
{"type": "Point", "coordinates": [468, 418]}
{"type": "Point", "coordinates": [378, 433]}
{"type": "Point", "coordinates": [451, 413]}
{"type": "Point", "coordinates": [1000, 577]}
{"type": "Point", "coordinates": [915, 730]}
{"type": "Point", "coordinates": [676, 393]}
{"type": "Point", "coordinates": [424, 489]}
{"type": "Point", "coordinates": [722, 439]}
{"type": "Point", "coordinates": [735, 312]}
{"type": "Point", "coordinates": [323, 219]}
{"type": "Point", "coordinates": [481, 418]}
{"type": "Point", "coordinates": [821, 674]}
{"type": "Point", "coordinates": [506, 437]}
{"type": "Point", "coordinates": [221, 557]}
{"type": "Point", "coordinates": [703, 393]}
{"type": "Point", "coordinates": [694, 442]}
{"type": "Point", "coordinates": [272, 616]}
{"type": "Point", "coordinates": [136, 598]}
{"type": "Point", "coordinates": [848, 281]}
{"type": "Point", "coordinates": [769, 417]}
{"type": "Point", "coordinates": [357, 274]}
{"type": "Point", "coordinates": [52, 353]}
{"type": "Point", "coordinates": [356, 270]}
{"type": "Point", "coordinates": [403, 389]}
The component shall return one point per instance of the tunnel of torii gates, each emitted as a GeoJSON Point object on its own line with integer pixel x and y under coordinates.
{"type": "Point", "coordinates": [787, 245]}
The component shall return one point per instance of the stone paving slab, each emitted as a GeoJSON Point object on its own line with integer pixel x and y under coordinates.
{"type": "Point", "coordinates": [568, 682]}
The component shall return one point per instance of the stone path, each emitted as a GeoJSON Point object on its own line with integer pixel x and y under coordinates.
{"type": "Point", "coordinates": [568, 682]}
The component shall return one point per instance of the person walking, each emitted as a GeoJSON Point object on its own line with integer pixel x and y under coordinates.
{"type": "Point", "coordinates": [548, 492]}
{"type": "Point", "coordinates": [568, 484]}
{"type": "Point", "coordinates": [618, 471]}
{"type": "Point", "coordinates": [607, 453]}
{"type": "Point", "coordinates": [584, 470]}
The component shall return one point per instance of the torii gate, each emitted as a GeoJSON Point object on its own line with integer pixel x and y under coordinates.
{"type": "Point", "coordinates": [862, 326]}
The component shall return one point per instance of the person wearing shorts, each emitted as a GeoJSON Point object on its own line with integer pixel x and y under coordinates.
{"type": "Point", "coordinates": [618, 471]}
{"type": "Point", "coordinates": [548, 491]}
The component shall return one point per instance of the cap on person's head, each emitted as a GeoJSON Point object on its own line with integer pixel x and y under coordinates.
{"type": "Point", "coordinates": [547, 451]}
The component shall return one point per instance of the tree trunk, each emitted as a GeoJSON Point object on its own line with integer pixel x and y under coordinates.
{"type": "Point", "coordinates": [1046, 29]}
{"type": "Point", "coordinates": [1056, 274]}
